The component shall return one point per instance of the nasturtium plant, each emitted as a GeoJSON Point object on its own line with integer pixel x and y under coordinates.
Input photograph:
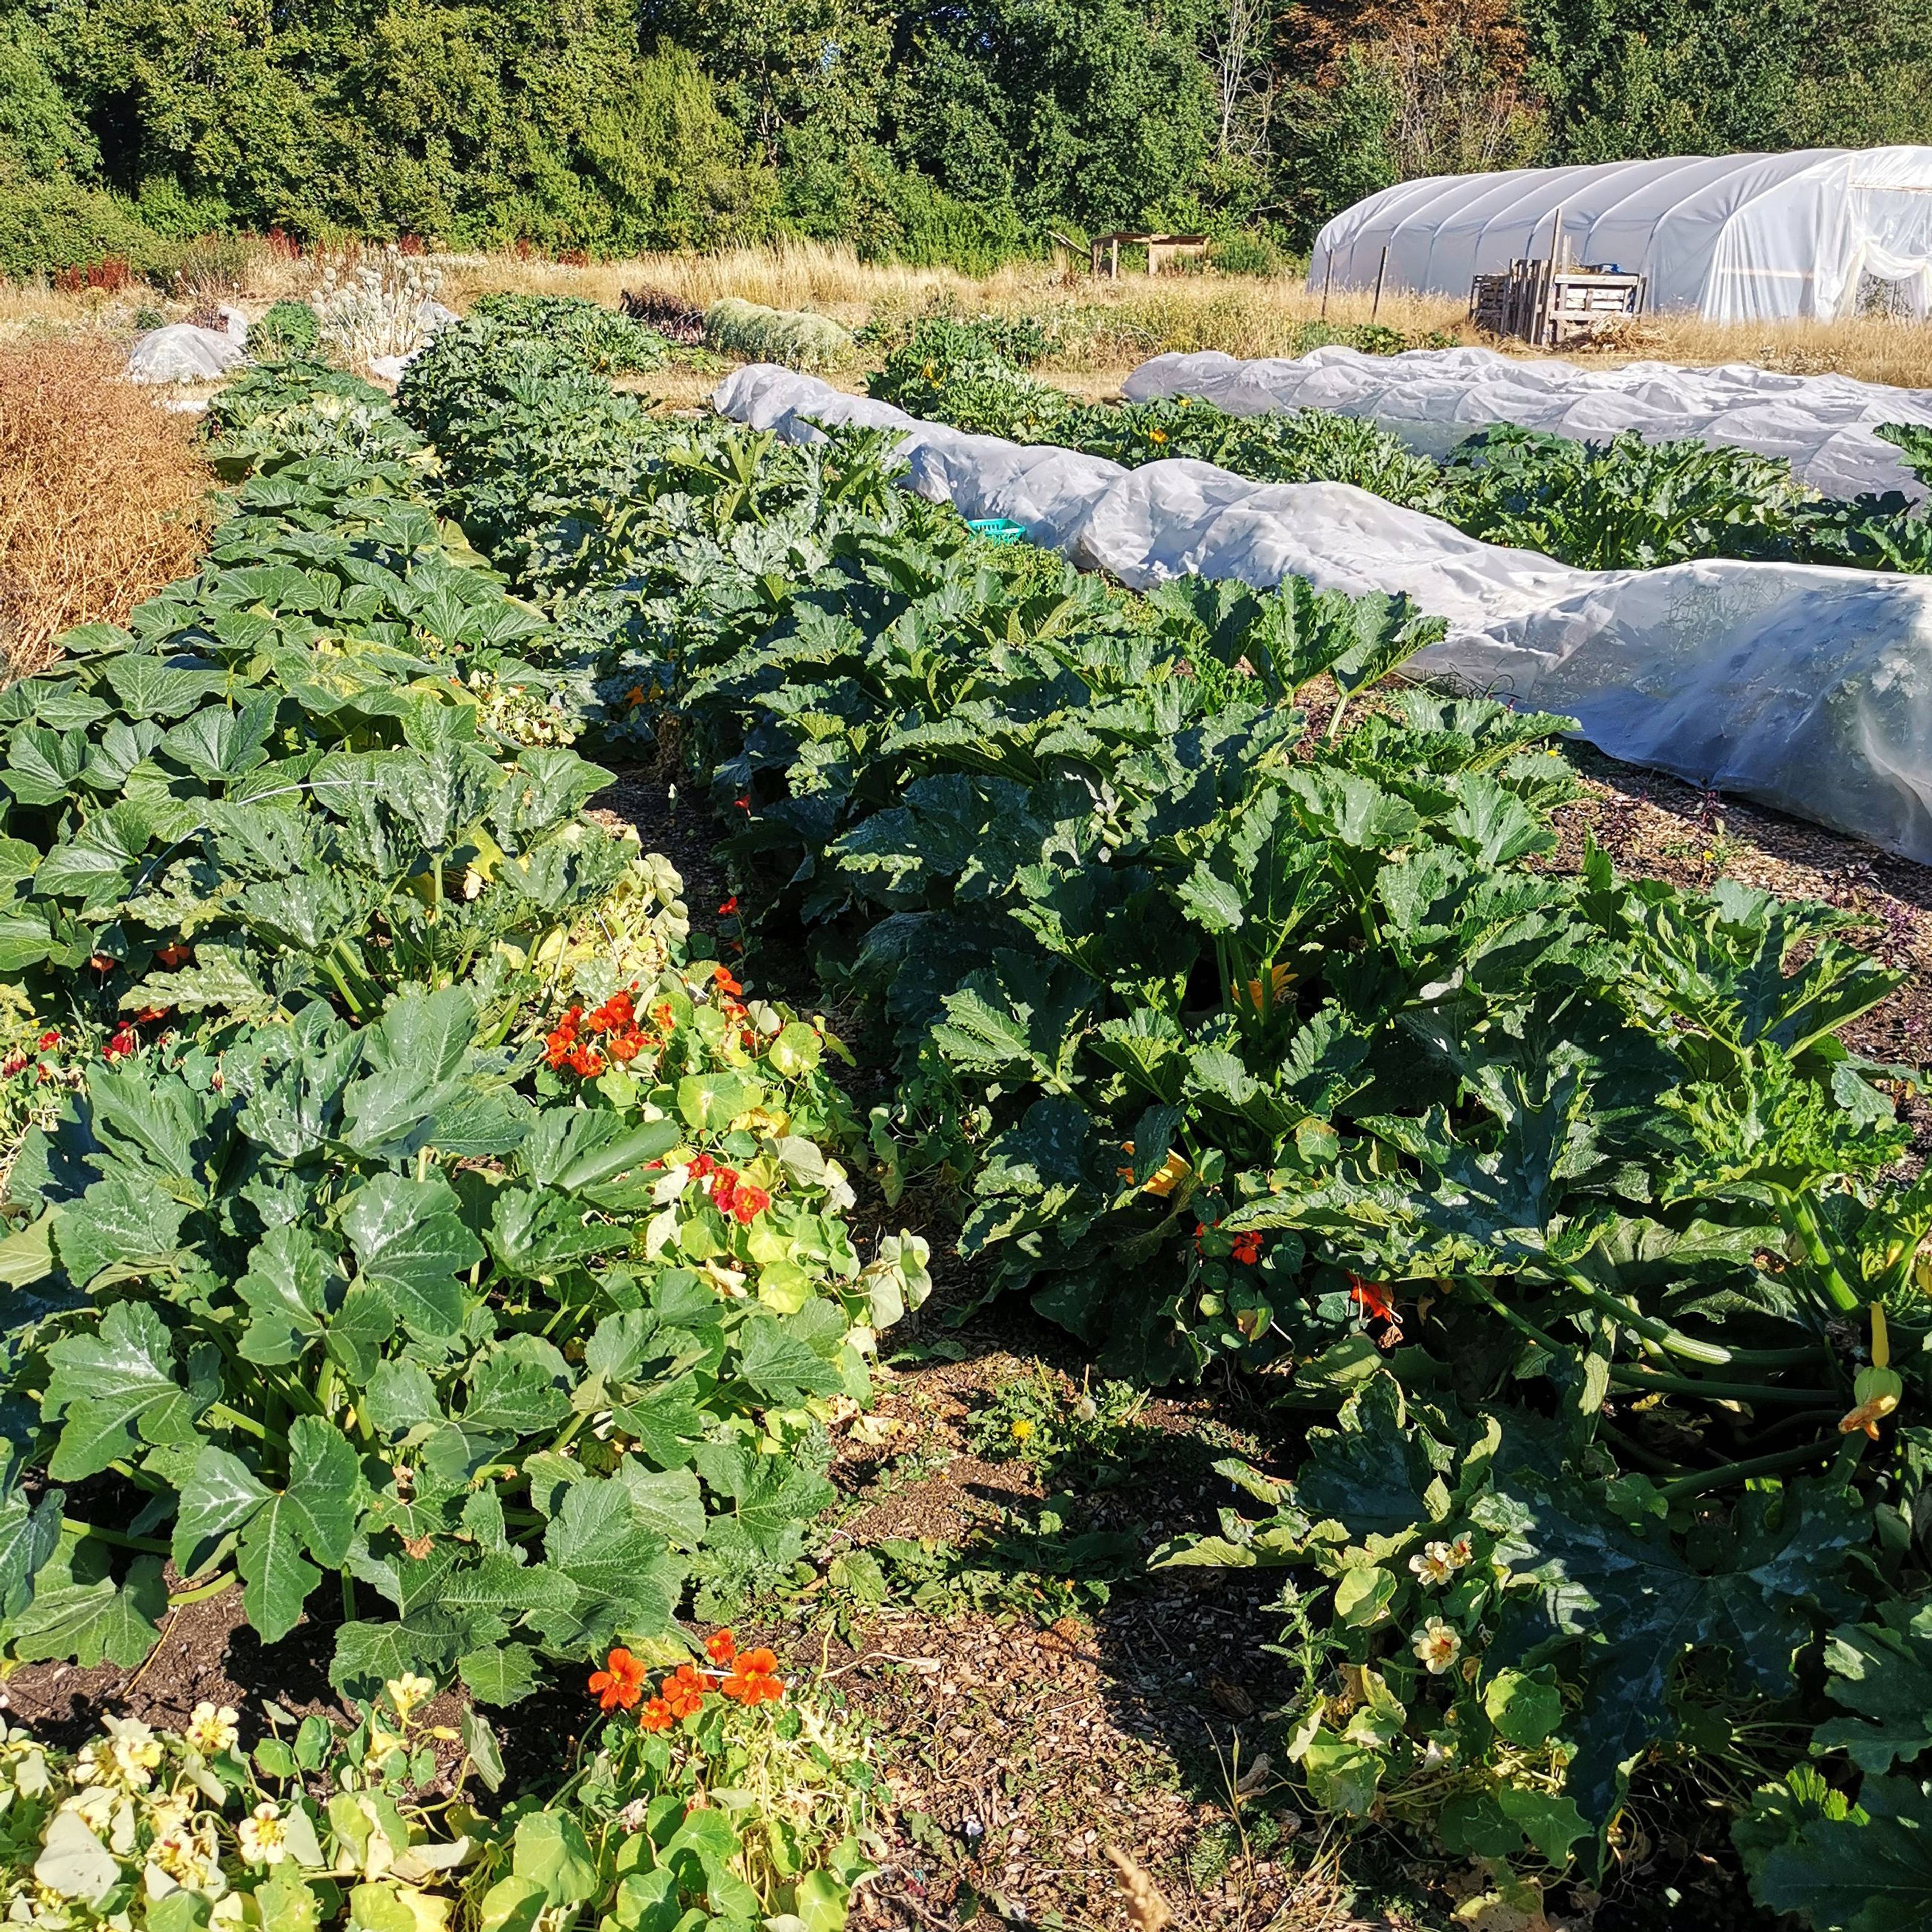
{"type": "Point", "coordinates": [312, 1301]}
{"type": "Point", "coordinates": [329, 1273]}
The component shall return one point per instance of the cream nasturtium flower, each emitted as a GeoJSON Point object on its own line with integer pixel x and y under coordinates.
{"type": "Point", "coordinates": [263, 1837]}
{"type": "Point", "coordinates": [407, 1691]}
{"type": "Point", "coordinates": [1437, 1646]}
{"type": "Point", "coordinates": [126, 1756]}
{"type": "Point", "coordinates": [1431, 1563]}
{"type": "Point", "coordinates": [213, 1730]}
{"type": "Point", "coordinates": [186, 1854]}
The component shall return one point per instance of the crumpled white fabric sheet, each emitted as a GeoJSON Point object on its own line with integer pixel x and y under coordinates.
{"type": "Point", "coordinates": [431, 317]}
{"type": "Point", "coordinates": [1432, 398]}
{"type": "Point", "coordinates": [185, 352]}
{"type": "Point", "coordinates": [1807, 688]}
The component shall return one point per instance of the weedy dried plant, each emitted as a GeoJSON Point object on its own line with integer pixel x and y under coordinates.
{"type": "Point", "coordinates": [1147, 1909]}
{"type": "Point", "coordinates": [101, 495]}
{"type": "Point", "coordinates": [381, 308]}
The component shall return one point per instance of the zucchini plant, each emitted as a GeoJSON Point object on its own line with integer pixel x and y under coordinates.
{"type": "Point", "coordinates": [1553, 1205]}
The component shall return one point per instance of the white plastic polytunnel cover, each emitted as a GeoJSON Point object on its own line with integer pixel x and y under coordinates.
{"type": "Point", "coordinates": [1826, 233]}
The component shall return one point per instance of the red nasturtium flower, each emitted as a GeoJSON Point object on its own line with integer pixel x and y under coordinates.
{"type": "Point", "coordinates": [558, 1043]}
{"type": "Point", "coordinates": [149, 1014]}
{"type": "Point", "coordinates": [1372, 1300]}
{"type": "Point", "coordinates": [614, 1014]}
{"type": "Point", "coordinates": [730, 906]}
{"type": "Point", "coordinates": [721, 1646]}
{"type": "Point", "coordinates": [1248, 1249]}
{"type": "Point", "coordinates": [14, 1064]}
{"type": "Point", "coordinates": [748, 1202]}
{"type": "Point", "coordinates": [655, 1716]}
{"type": "Point", "coordinates": [683, 1692]}
{"type": "Point", "coordinates": [123, 1043]}
{"type": "Point", "coordinates": [173, 954]}
{"type": "Point", "coordinates": [754, 1679]}
{"type": "Point", "coordinates": [50, 1038]}
{"type": "Point", "coordinates": [620, 1686]}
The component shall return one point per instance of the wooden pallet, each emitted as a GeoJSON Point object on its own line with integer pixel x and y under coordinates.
{"type": "Point", "coordinates": [1551, 304]}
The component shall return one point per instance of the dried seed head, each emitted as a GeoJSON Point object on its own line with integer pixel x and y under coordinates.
{"type": "Point", "coordinates": [1147, 1909]}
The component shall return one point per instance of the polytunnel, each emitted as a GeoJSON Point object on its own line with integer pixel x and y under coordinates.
{"type": "Point", "coordinates": [1825, 233]}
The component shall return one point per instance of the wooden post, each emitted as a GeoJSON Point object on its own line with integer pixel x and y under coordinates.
{"type": "Point", "coordinates": [1328, 276]}
{"type": "Point", "coordinates": [1114, 261]}
{"type": "Point", "coordinates": [1381, 269]}
{"type": "Point", "coordinates": [1541, 327]}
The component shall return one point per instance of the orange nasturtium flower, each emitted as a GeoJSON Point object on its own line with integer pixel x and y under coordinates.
{"type": "Point", "coordinates": [619, 1686]}
{"type": "Point", "coordinates": [655, 1716]}
{"type": "Point", "coordinates": [721, 1646]}
{"type": "Point", "coordinates": [1371, 1299]}
{"type": "Point", "coordinates": [754, 1679]}
{"type": "Point", "coordinates": [683, 1692]}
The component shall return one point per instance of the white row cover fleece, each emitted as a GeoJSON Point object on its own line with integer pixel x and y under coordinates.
{"type": "Point", "coordinates": [185, 352]}
{"type": "Point", "coordinates": [1808, 688]}
{"type": "Point", "coordinates": [1737, 238]}
{"type": "Point", "coordinates": [1432, 398]}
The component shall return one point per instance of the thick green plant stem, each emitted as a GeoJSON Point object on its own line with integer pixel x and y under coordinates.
{"type": "Point", "coordinates": [147, 1544]}
{"type": "Point", "coordinates": [1633, 1377]}
{"type": "Point", "coordinates": [215, 1587]}
{"type": "Point", "coordinates": [1804, 1224]}
{"type": "Point", "coordinates": [1706, 1480]}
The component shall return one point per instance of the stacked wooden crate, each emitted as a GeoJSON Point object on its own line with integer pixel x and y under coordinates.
{"type": "Point", "coordinates": [1552, 304]}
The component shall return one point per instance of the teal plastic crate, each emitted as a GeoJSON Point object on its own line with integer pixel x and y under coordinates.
{"type": "Point", "coordinates": [996, 529]}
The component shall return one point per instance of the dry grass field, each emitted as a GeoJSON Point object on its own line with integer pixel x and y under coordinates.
{"type": "Point", "coordinates": [1111, 326]}
{"type": "Point", "coordinates": [101, 494]}
{"type": "Point", "coordinates": [1105, 327]}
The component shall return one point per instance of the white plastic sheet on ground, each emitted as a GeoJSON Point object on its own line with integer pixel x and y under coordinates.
{"type": "Point", "coordinates": [1808, 688]}
{"type": "Point", "coordinates": [431, 317]}
{"type": "Point", "coordinates": [1823, 232]}
{"type": "Point", "coordinates": [184, 352]}
{"type": "Point", "coordinates": [1432, 398]}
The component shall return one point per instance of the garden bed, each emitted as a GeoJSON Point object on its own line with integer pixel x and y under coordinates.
{"type": "Point", "coordinates": [1463, 1209]}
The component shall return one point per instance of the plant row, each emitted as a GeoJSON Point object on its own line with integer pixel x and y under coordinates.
{"type": "Point", "coordinates": [1625, 504]}
{"type": "Point", "coordinates": [1555, 1202]}
{"type": "Point", "coordinates": [719, 1800]}
{"type": "Point", "coordinates": [410, 1230]}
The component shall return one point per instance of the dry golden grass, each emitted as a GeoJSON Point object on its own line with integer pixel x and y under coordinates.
{"type": "Point", "coordinates": [101, 495]}
{"type": "Point", "coordinates": [1107, 328]}
{"type": "Point", "coordinates": [1111, 326]}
